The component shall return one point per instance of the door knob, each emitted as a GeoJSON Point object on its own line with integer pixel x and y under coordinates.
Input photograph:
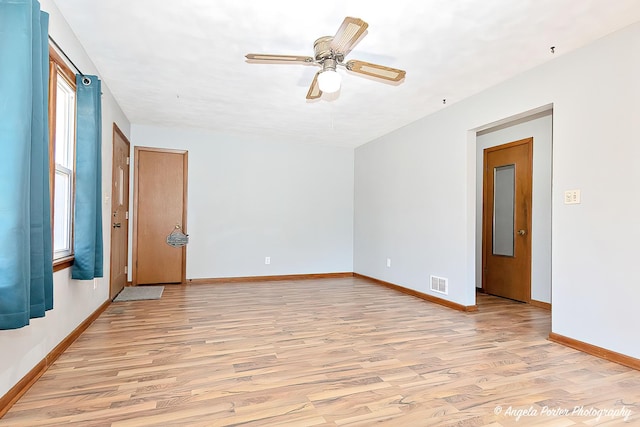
{"type": "Point", "coordinates": [116, 225]}
{"type": "Point", "coordinates": [521, 232]}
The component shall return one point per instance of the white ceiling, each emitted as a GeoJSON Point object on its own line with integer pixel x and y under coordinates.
{"type": "Point", "coordinates": [181, 63]}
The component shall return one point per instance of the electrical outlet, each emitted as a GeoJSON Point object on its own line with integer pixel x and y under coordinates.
{"type": "Point", "coordinates": [267, 260]}
{"type": "Point", "coordinates": [388, 262]}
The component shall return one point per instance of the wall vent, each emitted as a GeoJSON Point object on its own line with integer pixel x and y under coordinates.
{"type": "Point", "coordinates": [440, 285]}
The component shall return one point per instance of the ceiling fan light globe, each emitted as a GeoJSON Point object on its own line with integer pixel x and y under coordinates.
{"type": "Point", "coordinates": [329, 81]}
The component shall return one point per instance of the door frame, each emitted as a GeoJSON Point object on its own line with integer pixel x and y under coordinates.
{"type": "Point", "coordinates": [486, 238]}
{"type": "Point", "coordinates": [136, 157]}
{"type": "Point", "coordinates": [504, 129]}
{"type": "Point", "coordinates": [116, 130]}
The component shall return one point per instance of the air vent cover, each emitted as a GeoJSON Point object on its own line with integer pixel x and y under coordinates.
{"type": "Point", "coordinates": [440, 285]}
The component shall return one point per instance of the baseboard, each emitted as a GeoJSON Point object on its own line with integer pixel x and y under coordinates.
{"type": "Point", "coordinates": [540, 304]}
{"type": "Point", "coordinates": [593, 350]}
{"type": "Point", "coordinates": [12, 396]}
{"type": "Point", "coordinates": [418, 294]}
{"type": "Point", "coordinates": [268, 278]}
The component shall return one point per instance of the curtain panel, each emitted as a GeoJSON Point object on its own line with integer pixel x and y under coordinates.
{"type": "Point", "coordinates": [88, 250]}
{"type": "Point", "coordinates": [26, 276]}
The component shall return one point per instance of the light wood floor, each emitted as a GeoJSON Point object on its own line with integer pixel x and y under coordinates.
{"type": "Point", "coordinates": [321, 352]}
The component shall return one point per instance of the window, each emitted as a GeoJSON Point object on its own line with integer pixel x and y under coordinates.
{"type": "Point", "coordinates": [62, 136]}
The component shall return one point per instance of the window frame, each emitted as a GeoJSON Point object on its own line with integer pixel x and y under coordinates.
{"type": "Point", "coordinates": [58, 68]}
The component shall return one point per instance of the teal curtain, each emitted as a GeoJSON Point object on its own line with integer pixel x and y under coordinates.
{"type": "Point", "coordinates": [88, 250]}
{"type": "Point", "coordinates": [26, 276]}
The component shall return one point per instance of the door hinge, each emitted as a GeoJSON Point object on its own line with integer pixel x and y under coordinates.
{"type": "Point", "coordinates": [126, 215]}
{"type": "Point", "coordinates": [127, 160]}
{"type": "Point", "coordinates": [126, 269]}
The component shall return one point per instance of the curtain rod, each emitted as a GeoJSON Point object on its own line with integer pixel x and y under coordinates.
{"type": "Point", "coordinates": [65, 55]}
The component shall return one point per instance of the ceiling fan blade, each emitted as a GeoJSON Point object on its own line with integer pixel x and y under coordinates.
{"type": "Point", "coordinates": [348, 34]}
{"type": "Point", "coordinates": [376, 70]}
{"type": "Point", "coordinates": [314, 89]}
{"type": "Point", "coordinates": [261, 57]}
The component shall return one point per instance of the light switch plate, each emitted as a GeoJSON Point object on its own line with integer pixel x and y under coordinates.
{"type": "Point", "coordinates": [572, 197]}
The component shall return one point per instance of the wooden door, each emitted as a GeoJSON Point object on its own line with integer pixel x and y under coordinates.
{"type": "Point", "coordinates": [507, 220]}
{"type": "Point", "coordinates": [119, 213]}
{"type": "Point", "coordinates": [160, 191]}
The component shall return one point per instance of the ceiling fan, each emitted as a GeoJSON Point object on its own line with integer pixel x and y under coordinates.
{"type": "Point", "coordinates": [329, 52]}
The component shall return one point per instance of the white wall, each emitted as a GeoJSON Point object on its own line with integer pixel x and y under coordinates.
{"type": "Point", "coordinates": [415, 191]}
{"type": "Point", "coordinates": [74, 300]}
{"type": "Point", "coordinates": [252, 198]}
{"type": "Point", "coordinates": [539, 127]}
{"type": "Point", "coordinates": [404, 209]}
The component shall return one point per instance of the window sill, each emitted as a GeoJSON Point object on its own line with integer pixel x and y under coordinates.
{"type": "Point", "coordinates": [62, 263]}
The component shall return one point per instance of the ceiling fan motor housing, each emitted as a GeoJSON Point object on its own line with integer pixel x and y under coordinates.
{"type": "Point", "coordinates": [322, 48]}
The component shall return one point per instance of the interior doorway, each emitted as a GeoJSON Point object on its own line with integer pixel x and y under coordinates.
{"type": "Point", "coordinates": [537, 124]}
{"type": "Point", "coordinates": [119, 212]}
{"type": "Point", "coordinates": [160, 207]}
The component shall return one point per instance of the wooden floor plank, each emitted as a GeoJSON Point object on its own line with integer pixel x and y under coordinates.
{"type": "Point", "coordinates": [339, 351]}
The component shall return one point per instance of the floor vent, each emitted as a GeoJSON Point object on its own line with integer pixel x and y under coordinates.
{"type": "Point", "coordinates": [440, 285]}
